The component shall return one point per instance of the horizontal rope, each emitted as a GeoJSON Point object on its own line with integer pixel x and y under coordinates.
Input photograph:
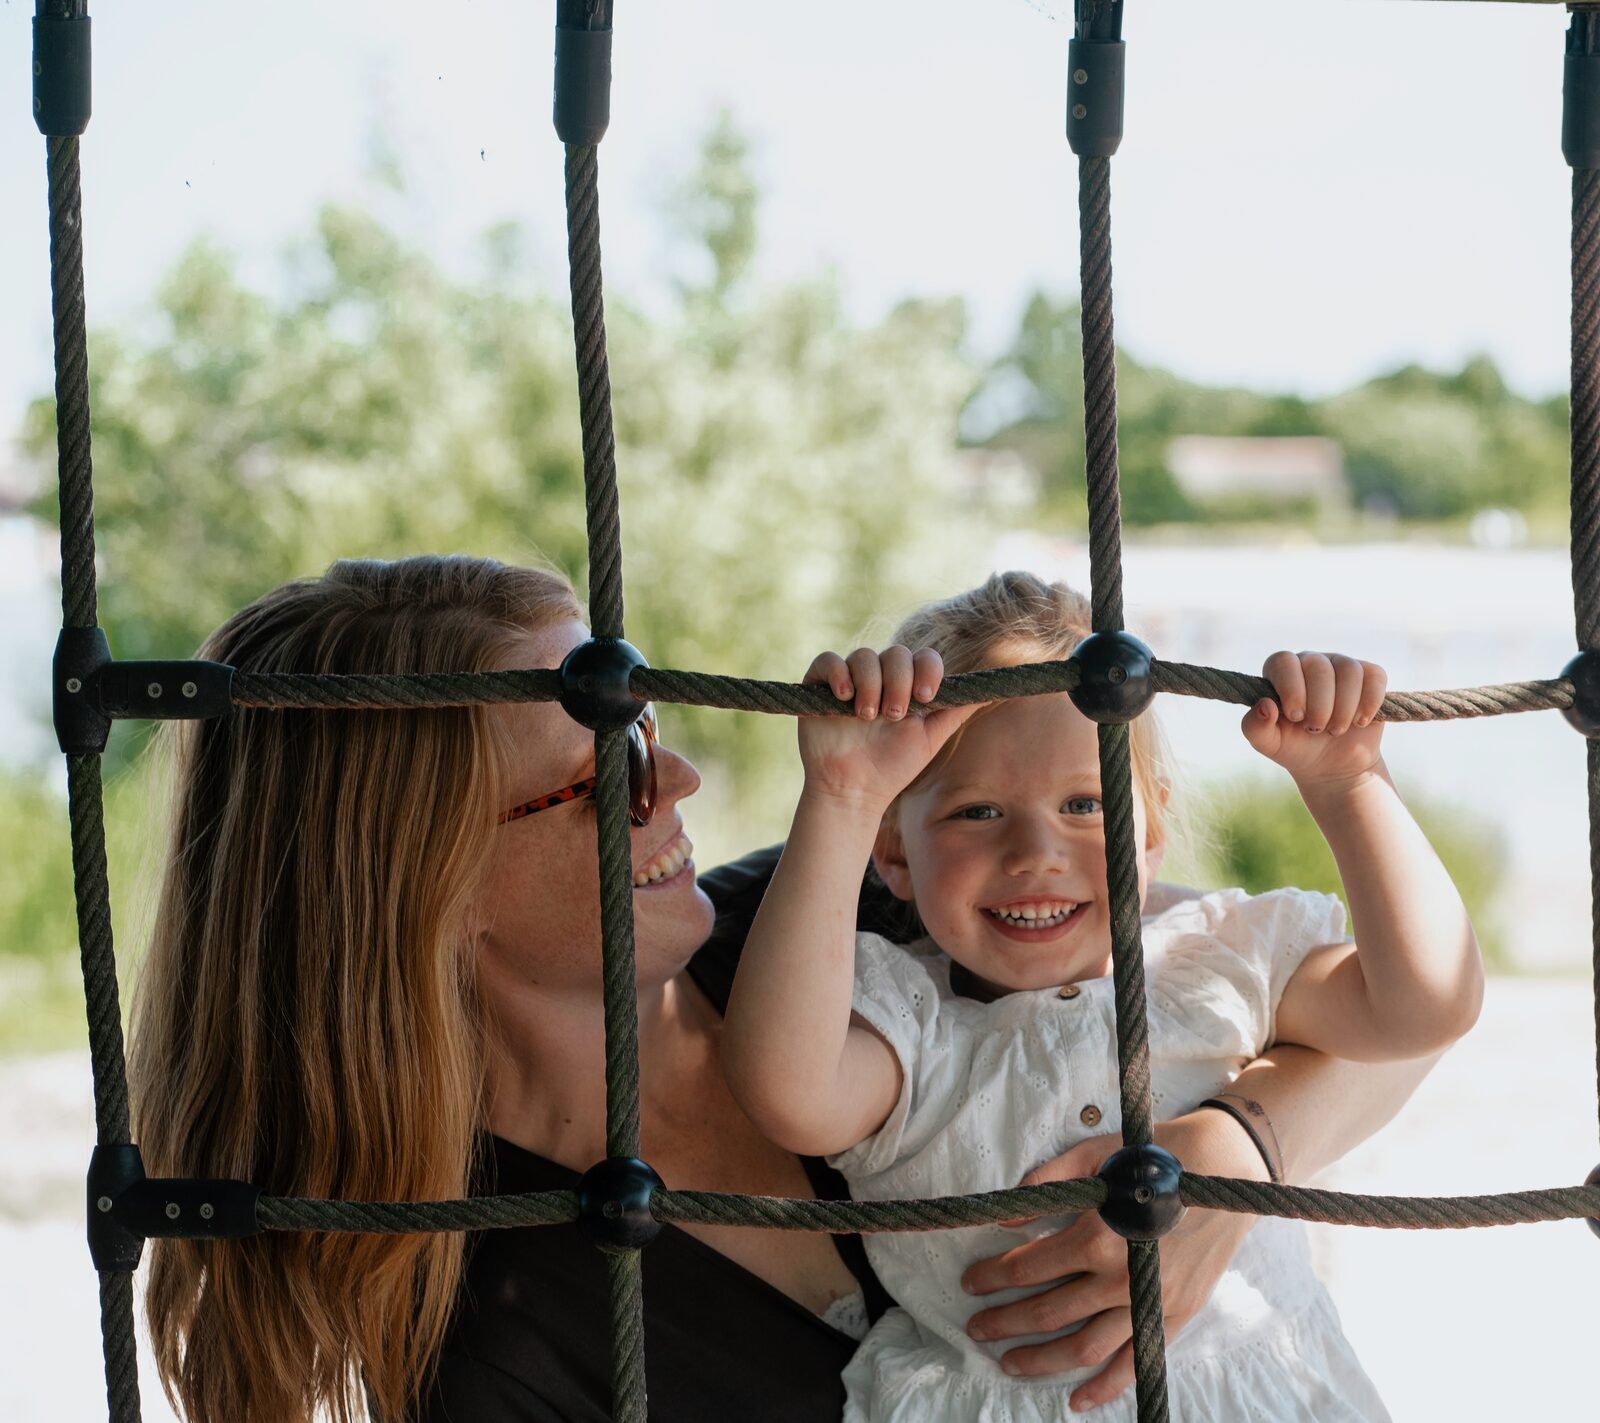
{"type": "Point", "coordinates": [408, 1217]}
{"type": "Point", "coordinates": [939, 1213]}
{"type": "Point", "coordinates": [326, 691]}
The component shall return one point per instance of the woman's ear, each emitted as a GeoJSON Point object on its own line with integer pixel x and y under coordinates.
{"type": "Point", "coordinates": [889, 858]}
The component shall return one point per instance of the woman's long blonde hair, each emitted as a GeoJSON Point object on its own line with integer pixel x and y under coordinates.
{"type": "Point", "coordinates": [306, 1016]}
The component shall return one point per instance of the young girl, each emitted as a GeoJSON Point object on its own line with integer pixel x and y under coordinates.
{"type": "Point", "coordinates": [961, 1062]}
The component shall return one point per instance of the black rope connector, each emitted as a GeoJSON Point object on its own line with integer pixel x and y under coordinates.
{"type": "Point", "coordinates": [1142, 1200]}
{"type": "Point", "coordinates": [184, 1209]}
{"type": "Point", "coordinates": [1593, 1179]}
{"type": "Point", "coordinates": [113, 1171]}
{"type": "Point", "coordinates": [1114, 684]}
{"type": "Point", "coordinates": [1096, 60]}
{"type": "Point", "coordinates": [1584, 674]}
{"type": "Point", "coordinates": [614, 1204]}
{"type": "Point", "coordinates": [594, 684]}
{"type": "Point", "coordinates": [1580, 91]}
{"type": "Point", "coordinates": [166, 691]}
{"type": "Point", "coordinates": [583, 84]}
{"type": "Point", "coordinates": [61, 104]}
{"type": "Point", "coordinates": [81, 724]}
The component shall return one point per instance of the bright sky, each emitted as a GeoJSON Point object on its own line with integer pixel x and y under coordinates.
{"type": "Point", "coordinates": [1309, 190]}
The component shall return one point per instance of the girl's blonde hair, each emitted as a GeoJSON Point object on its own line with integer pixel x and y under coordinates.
{"type": "Point", "coordinates": [306, 1017]}
{"type": "Point", "coordinates": [1018, 617]}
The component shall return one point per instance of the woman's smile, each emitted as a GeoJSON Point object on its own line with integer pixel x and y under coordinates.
{"type": "Point", "coordinates": [667, 866]}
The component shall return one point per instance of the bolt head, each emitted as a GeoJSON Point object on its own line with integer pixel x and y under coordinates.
{"type": "Point", "coordinates": [153, 690]}
{"type": "Point", "coordinates": [103, 1204]}
{"type": "Point", "coordinates": [1080, 111]}
{"type": "Point", "coordinates": [189, 689]}
{"type": "Point", "coordinates": [74, 685]}
{"type": "Point", "coordinates": [1080, 76]}
{"type": "Point", "coordinates": [207, 1210]}
{"type": "Point", "coordinates": [173, 1210]}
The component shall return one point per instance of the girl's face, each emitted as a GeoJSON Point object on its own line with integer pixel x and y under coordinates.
{"type": "Point", "coordinates": [538, 923]}
{"type": "Point", "coordinates": [1003, 848]}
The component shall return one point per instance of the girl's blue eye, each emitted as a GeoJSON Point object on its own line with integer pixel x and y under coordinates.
{"type": "Point", "coordinates": [1083, 800]}
{"type": "Point", "coordinates": [977, 812]}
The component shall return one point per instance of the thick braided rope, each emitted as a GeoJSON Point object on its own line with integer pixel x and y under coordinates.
{"type": "Point", "coordinates": [121, 1355]}
{"type": "Point", "coordinates": [1584, 38]}
{"type": "Point", "coordinates": [1100, 393]}
{"type": "Point", "coordinates": [337, 691]}
{"type": "Point", "coordinates": [937, 1213]}
{"type": "Point", "coordinates": [75, 475]}
{"type": "Point", "coordinates": [74, 464]}
{"type": "Point", "coordinates": [594, 391]}
{"type": "Point", "coordinates": [1105, 574]}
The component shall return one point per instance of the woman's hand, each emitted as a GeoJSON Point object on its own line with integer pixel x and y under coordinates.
{"type": "Point", "coordinates": [874, 755]}
{"type": "Point", "coordinates": [1193, 1258]}
{"type": "Point", "coordinates": [1320, 729]}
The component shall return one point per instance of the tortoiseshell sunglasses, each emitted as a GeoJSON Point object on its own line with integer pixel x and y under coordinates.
{"type": "Point", "coordinates": [641, 778]}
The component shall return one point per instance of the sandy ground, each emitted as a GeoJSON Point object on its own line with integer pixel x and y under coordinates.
{"type": "Point", "coordinates": [1479, 1324]}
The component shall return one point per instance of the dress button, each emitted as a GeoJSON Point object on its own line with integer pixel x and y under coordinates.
{"type": "Point", "coordinates": [1070, 991]}
{"type": "Point", "coordinates": [1090, 1115]}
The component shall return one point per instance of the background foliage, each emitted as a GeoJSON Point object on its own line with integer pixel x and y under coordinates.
{"type": "Point", "coordinates": [789, 481]}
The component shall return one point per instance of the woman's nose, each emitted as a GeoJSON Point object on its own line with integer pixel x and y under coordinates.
{"type": "Point", "coordinates": [676, 777]}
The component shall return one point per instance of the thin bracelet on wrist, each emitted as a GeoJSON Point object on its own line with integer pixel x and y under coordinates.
{"type": "Point", "coordinates": [1242, 1115]}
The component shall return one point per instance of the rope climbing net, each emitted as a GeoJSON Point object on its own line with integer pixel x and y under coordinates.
{"type": "Point", "coordinates": [605, 684]}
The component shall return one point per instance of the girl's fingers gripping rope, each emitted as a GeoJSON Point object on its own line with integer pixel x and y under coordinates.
{"type": "Point", "coordinates": [866, 670]}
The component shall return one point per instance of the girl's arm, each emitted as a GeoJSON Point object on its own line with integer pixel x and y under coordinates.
{"type": "Point", "coordinates": [1413, 981]}
{"type": "Point", "coordinates": [813, 1081]}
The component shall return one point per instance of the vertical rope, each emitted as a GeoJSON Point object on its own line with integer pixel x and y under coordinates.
{"type": "Point", "coordinates": [594, 391]}
{"type": "Point", "coordinates": [1586, 479]}
{"type": "Point", "coordinates": [1116, 777]}
{"type": "Point", "coordinates": [628, 1397]}
{"type": "Point", "coordinates": [85, 802]}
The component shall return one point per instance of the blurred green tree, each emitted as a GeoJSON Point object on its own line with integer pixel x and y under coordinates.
{"type": "Point", "coordinates": [785, 474]}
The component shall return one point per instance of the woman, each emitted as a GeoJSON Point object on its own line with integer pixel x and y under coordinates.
{"type": "Point", "coordinates": [375, 974]}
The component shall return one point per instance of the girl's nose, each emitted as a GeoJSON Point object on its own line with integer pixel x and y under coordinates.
{"type": "Point", "coordinates": [1034, 847]}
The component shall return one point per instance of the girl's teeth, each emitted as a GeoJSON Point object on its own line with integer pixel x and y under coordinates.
{"type": "Point", "coordinates": [1034, 914]}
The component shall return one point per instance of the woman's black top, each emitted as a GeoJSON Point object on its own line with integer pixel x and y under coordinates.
{"type": "Point", "coordinates": [531, 1340]}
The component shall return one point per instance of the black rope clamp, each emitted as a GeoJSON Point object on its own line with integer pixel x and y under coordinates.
{"type": "Point", "coordinates": [184, 1209]}
{"type": "Point", "coordinates": [1114, 677]}
{"type": "Point", "coordinates": [113, 1171]}
{"type": "Point", "coordinates": [1580, 90]}
{"type": "Point", "coordinates": [1584, 674]}
{"type": "Point", "coordinates": [1096, 59]}
{"type": "Point", "coordinates": [61, 104]}
{"type": "Point", "coordinates": [1142, 1201]}
{"type": "Point", "coordinates": [583, 83]}
{"type": "Point", "coordinates": [1593, 1179]}
{"type": "Point", "coordinates": [166, 691]}
{"type": "Point", "coordinates": [594, 684]}
{"type": "Point", "coordinates": [614, 1204]}
{"type": "Point", "coordinates": [82, 725]}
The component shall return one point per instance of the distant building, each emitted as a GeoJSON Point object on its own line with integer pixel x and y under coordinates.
{"type": "Point", "coordinates": [1211, 467]}
{"type": "Point", "coordinates": [1001, 480]}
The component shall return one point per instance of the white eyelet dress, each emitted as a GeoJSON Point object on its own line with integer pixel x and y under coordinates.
{"type": "Point", "coordinates": [992, 1090]}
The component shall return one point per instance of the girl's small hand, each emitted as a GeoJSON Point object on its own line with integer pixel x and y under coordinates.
{"type": "Point", "coordinates": [1092, 1264]}
{"type": "Point", "coordinates": [872, 756]}
{"type": "Point", "coordinates": [1321, 727]}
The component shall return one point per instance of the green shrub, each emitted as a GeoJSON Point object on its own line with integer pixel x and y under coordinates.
{"type": "Point", "coordinates": [1258, 834]}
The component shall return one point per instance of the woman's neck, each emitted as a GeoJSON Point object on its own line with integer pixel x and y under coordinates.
{"type": "Point", "coordinates": [547, 1070]}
